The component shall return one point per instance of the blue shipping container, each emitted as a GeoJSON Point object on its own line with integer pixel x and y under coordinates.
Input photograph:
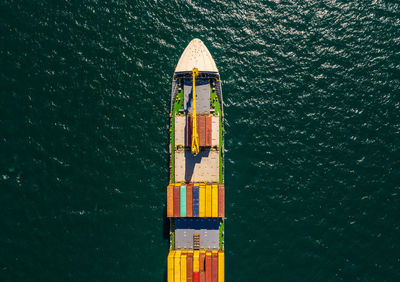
{"type": "Point", "coordinates": [196, 201]}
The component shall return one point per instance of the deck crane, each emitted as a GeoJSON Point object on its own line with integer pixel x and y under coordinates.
{"type": "Point", "coordinates": [195, 136]}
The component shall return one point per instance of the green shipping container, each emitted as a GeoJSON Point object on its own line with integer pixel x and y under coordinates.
{"type": "Point", "coordinates": [183, 200]}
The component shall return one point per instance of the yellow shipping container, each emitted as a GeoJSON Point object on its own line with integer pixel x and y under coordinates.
{"type": "Point", "coordinates": [196, 263]}
{"type": "Point", "coordinates": [214, 208]}
{"type": "Point", "coordinates": [202, 200]}
{"type": "Point", "coordinates": [171, 266]}
{"type": "Point", "coordinates": [208, 200]}
{"type": "Point", "coordinates": [177, 266]}
{"type": "Point", "coordinates": [221, 266]}
{"type": "Point", "coordinates": [183, 268]}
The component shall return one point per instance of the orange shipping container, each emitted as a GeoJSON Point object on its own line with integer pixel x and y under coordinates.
{"type": "Point", "coordinates": [189, 266]}
{"type": "Point", "coordinates": [208, 267]}
{"type": "Point", "coordinates": [214, 266]}
{"type": "Point", "coordinates": [208, 131]}
{"type": "Point", "coordinates": [177, 208]}
{"type": "Point", "coordinates": [221, 200]}
{"type": "Point", "coordinates": [202, 267]}
{"type": "Point", "coordinates": [201, 130]}
{"type": "Point", "coordinates": [189, 200]}
{"type": "Point", "coordinates": [202, 276]}
{"type": "Point", "coordinates": [170, 201]}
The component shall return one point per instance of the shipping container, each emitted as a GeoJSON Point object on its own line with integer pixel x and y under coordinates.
{"type": "Point", "coordinates": [208, 200]}
{"type": "Point", "coordinates": [189, 130]}
{"type": "Point", "coordinates": [214, 266]}
{"type": "Point", "coordinates": [196, 277]}
{"type": "Point", "coordinates": [177, 208]}
{"type": "Point", "coordinates": [195, 201]}
{"type": "Point", "coordinates": [196, 261]}
{"type": "Point", "coordinates": [221, 266]}
{"type": "Point", "coordinates": [208, 131]}
{"type": "Point", "coordinates": [221, 200]}
{"type": "Point", "coordinates": [208, 267]}
{"type": "Point", "coordinates": [177, 267]}
{"type": "Point", "coordinates": [202, 261]}
{"type": "Point", "coordinates": [215, 131]}
{"type": "Point", "coordinates": [202, 200]}
{"type": "Point", "coordinates": [183, 200]}
{"type": "Point", "coordinates": [214, 201]}
{"type": "Point", "coordinates": [170, 201]}
{"type": "Point", "coordinates": [201, 130]}
{"type": "Point", "coordinates": [189, 200]}
{"type": "Point", "coordinates": [171, 257]}
{"type": "Point", "coordinates": [183, 268]}
{"type": "Point", "coordinates": [189, 267]}
{"type": "Point", "coordinates": [202, 275]}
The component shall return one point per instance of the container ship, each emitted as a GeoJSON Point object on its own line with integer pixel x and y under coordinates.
{"type": "Point", "coordinates": [196, 190]}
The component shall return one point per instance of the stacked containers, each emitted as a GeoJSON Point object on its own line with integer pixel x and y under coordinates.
{"type": "Point", "coordinates": [170, 201]}
{"type": "Point", "coordinates": [196, 266]}
{"type": "Point", "coordinates": [183, 201]}
{"type": "Point", "coordinates": [204, 130]}
{"type": "Point", "coordinates": [196, 201]}
{"type": "Point", "coordinates": [208, 200]}
{"type": "Point", "coordinates": [189, 200]}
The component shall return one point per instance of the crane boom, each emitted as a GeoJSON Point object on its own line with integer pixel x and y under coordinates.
{"type": "Point", "coordinates": [195, 136]}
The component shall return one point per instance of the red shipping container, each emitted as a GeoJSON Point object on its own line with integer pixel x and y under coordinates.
{"type": "Point", "coordinates": [189, 200]}
{"type": "Point", "coordinates": [189, 130]}
{"type": "Point", "coordinates": [208, 131]}
{"type": "Point", "coordinates": [177, 199]}
{"type": "Point", "coordinates": [208, 269]}
{"type": "Point", "coordinates": [189, 267]}
{"type": "Point", "coordinates": [214, 267]}
{"type": "Point", "coordinates": [201, 130]}
{"type": "Point", "coordinates": [221, 200]}
{"type": "Point", "coordinates": [196, 277]}
{"type": "Point", "coordinates": [170, 201]}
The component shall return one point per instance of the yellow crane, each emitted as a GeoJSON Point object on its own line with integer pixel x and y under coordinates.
{"type": "Point", "coordinates": [195, 136]}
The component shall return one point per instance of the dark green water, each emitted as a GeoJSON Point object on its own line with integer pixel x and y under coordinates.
{"type": "Point", "coordinates": [312, 104]}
